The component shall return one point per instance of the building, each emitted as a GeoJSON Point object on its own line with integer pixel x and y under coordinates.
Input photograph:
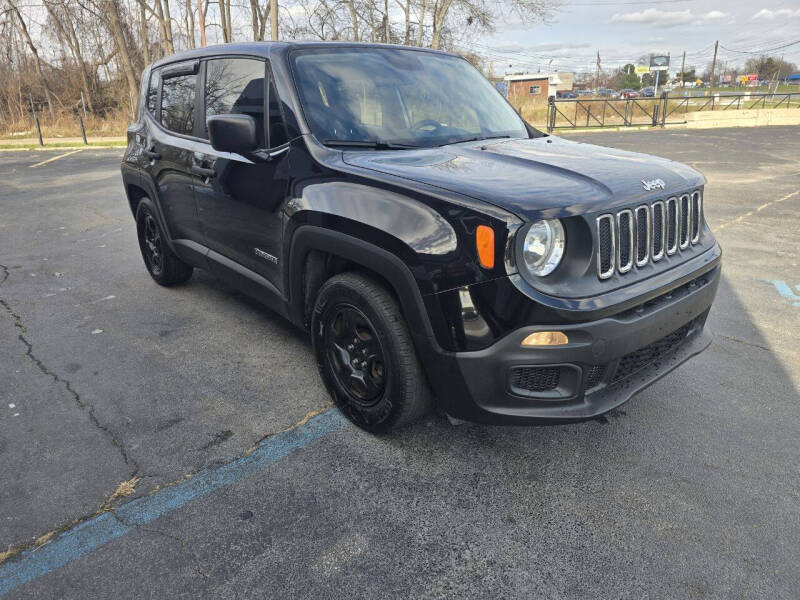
{"type": "Point", "coordinates": [537, 85]}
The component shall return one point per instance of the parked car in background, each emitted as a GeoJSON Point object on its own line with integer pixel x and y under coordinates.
{"type": "Point", "coordinates": [584, 93]}
{"type": "Point", "coordinates": [566, 94]}
{"type": "Point", "coordinates": [647, 92]}
{"type": "Point", "coordinates": [434, 246]}
{"type": "Point", "coordinates": [607, 93]}
{"type": "Point", "coordinates": [628, 93]}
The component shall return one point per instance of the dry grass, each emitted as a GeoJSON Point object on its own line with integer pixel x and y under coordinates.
{"type": "Point", "coordinates": [126, 488]}
{"type": "Point", "coordinates": [66, 125]}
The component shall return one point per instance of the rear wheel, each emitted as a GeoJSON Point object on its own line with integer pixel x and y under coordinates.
{"type": "Point", "coordinates": [365, 354]}
{"type": "Point", "coordinates": [161, 262]}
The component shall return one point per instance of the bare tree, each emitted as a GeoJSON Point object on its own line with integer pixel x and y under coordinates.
{"type": "Point", "coordinates": [113, 16]}
{"type": "Point", "coordinates": [37, 60]}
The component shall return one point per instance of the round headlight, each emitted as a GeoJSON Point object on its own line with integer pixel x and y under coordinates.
{"type": "Point", "coordinates": [543, 247]}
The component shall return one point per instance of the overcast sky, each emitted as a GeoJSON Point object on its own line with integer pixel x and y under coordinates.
{"type": "Point", "coordinates": [624, 30]}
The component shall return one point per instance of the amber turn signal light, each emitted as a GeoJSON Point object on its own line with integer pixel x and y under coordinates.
{"type": "Point", "coordinates": [546, 338]}
{"type": "Point", "coordinates": [484, 241]}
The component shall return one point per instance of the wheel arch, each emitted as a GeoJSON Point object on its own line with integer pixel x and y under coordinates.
{"type": "Point", "coordinates": [312, 245]}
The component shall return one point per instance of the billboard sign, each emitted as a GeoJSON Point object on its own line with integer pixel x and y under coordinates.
{"type": "Point", "coordinates": [641, 69]}
{"type": "Point", "coordinates": [752, 77]}
{"type": "Point", "coordinates": [659, 62]}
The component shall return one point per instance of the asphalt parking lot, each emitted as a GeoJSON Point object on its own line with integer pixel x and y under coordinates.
{"type": "Point", "coordinates": [692, 489]}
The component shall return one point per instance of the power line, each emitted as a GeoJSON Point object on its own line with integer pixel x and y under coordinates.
{"type": "Point", "coordinates": [765, 51]}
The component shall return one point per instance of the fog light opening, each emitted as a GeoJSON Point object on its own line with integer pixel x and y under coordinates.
{"type": "Point", "coordinates": [546, 338]}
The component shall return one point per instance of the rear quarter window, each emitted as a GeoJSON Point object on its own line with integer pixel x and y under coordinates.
{"type": "Point", "coordinates": [177, 103]}
{"type": "Point", "coordinates": [152, 93]}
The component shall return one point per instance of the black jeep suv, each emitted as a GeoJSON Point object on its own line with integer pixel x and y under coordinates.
{"type": "Point", "coordinates": [436, 247]}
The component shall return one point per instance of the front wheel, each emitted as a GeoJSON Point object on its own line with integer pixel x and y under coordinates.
{"type": "Point", "coordinates": [365, 354]}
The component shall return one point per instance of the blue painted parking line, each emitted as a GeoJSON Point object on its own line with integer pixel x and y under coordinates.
{"type": "Point", "coordinates": [100, 530]}
{"type": "Point", "coordinates": [785, 290]}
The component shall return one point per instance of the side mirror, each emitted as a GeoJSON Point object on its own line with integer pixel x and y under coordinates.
{"type": "Point", "coordinates": [232, 133]}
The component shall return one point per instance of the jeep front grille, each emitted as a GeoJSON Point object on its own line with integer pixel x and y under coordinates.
{"type": "Point", "coordinates": [685, 220]}
{"type": "Point", "coordinates": [672, 226]}
{"type": "Point", "coordinates": [658, 230]}
{"type": "Point", "coordinates": [625, 241]}
{"type": "Point", "coordinates": [695, 217]}
{"type": "Point", "coordinates": [645, 234]}
{"type": "Point", "coordinates": [606, 249]}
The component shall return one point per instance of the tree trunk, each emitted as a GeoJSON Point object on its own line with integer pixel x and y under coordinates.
{"type": "Point", "coordinates": [254, 19]}
{"type": "Point", "coordinates": [353, 18]}
{"type": "Point", "coordinates": [201, 22]}
{"type": "Point", "coordinates": [273, 19]}
{"type": "Point", "coordinates": [190, 23]}
{"type": "Point", "coordinates": [168, 27]}
{"type": "Point", "coordinates": [114, 19]}
{"type": "Point", "coordinates": [24, 28]}
{"type": "Point", "coordinates": [421, 25]}
{"type": "Point", "coordinates": [387, 34]}
{"type": "Point", "coordinates": [439, 15]}
{"type": "Point", "coordinates": [143, 34]}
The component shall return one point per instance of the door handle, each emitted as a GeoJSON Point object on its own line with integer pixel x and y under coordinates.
{"type": "Point", "coordinates": [203, 171]}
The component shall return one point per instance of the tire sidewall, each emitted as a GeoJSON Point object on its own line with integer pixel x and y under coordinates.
{"type": "Point", "coordinates": [381, 416]}
{"type": "Point", "coordinates": [143, 210]}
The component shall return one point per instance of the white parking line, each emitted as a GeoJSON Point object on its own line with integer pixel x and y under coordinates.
{"type": "Point", "coordinates": [44, 162]}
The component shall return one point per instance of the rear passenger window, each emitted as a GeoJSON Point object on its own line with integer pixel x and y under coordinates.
{"type": "Point", "coordinates": [236, 86]}
{"type": "Point", "coordinates": [177, 103]}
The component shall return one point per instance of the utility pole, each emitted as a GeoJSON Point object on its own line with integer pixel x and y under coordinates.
{"type": "Point", "coordinates": [713, 67]}
{"type": "Point", "coordinates": [683, 67]}
{"type": "Point", "coordinates": [597, 74]}
{"type": "Point", "coordinates": [273, 18]}
{"type": "Point", "coordinates": [201, 23]}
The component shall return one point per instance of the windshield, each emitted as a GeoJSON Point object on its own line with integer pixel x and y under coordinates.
{"type": "Point", "coordinates": [394, 98]}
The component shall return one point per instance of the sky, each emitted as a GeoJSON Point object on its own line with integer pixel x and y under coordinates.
{"type": "Point", "coordinates": [624, 30]}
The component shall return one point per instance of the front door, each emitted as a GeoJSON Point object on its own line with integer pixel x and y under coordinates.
{"type": "Point", "coordinates": [239, 201]}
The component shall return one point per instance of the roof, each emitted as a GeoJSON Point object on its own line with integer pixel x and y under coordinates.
{"type": "Point", "coordinates": [268, 48]}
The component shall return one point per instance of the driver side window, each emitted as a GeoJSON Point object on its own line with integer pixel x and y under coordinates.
{"type": "Point", "coordinates": [236, 86]}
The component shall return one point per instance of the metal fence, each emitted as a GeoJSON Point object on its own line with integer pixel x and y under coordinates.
{"type": "Point", "coordinates": [654, 112]}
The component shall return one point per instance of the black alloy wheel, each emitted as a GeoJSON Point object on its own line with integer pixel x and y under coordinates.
{"type": "Point", "coordinates": [152, 249]}
{"type": "Point", "coordinates": [365, 354]}
{"type": "Point", "coordinates": [355, 354]}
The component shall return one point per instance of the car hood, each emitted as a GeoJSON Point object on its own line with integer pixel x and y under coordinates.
{"type": "Point", "coordinates": [535, 178]}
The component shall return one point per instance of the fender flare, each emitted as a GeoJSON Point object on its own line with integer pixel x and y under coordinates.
{"type": "Point", "coordinates": [369, 256]}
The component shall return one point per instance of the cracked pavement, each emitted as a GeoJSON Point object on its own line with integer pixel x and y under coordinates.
{"type": "Point", "coordinates": [690, 490]}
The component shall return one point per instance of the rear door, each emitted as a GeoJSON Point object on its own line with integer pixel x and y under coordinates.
{"type": "Point", "coordinates": [239, 200]}
{"type": "Point", "coordinates": [170, 145]}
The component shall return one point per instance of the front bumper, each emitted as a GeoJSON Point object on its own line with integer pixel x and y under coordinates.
{"type": "Point", "coordinates": [604, 364]}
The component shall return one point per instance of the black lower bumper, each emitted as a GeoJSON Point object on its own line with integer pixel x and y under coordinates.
{"type": "Point", "coordinates": [604, 364]}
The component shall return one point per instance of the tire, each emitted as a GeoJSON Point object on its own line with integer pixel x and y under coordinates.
{"type": "Point", "coordinates": [161, 262]}
{"type": "Point", "coordinates": [356, 318]}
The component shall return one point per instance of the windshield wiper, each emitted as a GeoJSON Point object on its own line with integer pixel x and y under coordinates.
{"type": "Point", "coordinates": [478, 139]}
{"type": "Point", "coordinates": [376, 144]}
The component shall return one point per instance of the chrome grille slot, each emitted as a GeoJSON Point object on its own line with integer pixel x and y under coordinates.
{"type": "Point", "coordinates": [625, 241]}
{"type": "Point", "coordinates": [672, 226]}
{"type": "Point", "coordinates": [642, 235]}
{"type": "Point", "coordinates": [657, 247]}
{"type": "Point", "coordinates": [647, 233]}
{"type": "Point", "coordinates": [696, 212]}
{"type": "Point", "coordinates": [685, 221]}
{"type": "Point", "coordinates": [605, 246]}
